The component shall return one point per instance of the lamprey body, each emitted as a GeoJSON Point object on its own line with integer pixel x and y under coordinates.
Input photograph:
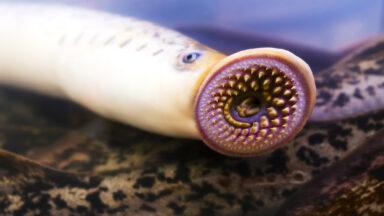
{"type": "Point", "coordinates": [156, 79]}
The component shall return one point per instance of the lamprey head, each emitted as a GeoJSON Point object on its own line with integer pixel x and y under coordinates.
{"type": "Point", "coordinates": [254, 101]}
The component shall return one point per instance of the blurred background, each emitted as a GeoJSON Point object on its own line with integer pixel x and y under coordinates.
{"type": "Point", "coordinates": [325, 24]}
{"type": "Point", "coordinates": [320, 32]}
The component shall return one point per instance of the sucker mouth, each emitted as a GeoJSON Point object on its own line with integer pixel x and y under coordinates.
{"type": "Point", "coordinates": [251, 105]}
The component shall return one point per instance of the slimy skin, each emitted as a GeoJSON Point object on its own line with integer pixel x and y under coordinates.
{"type": "Point", "coordinates": [353, 86]}
{"type": "Point", "coordinates": [121, 68]}
{"type": "Point", "coordinates": [156, 79]}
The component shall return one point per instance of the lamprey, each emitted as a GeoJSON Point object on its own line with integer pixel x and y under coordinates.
{"type": "Point", "coordinates": [156, 79]}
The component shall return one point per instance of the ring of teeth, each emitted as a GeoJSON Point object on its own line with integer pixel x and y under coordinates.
{"type": "Point", "coordinates": [250, 106]}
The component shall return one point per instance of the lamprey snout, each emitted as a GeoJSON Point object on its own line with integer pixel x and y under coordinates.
{"type": "Point", "coordinates": [254, 101]}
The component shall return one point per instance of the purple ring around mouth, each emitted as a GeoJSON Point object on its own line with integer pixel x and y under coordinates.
{"type": "Point", "coordinates": [253, 104]}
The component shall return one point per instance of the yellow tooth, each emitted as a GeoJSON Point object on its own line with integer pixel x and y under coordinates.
{"type": "Point", "coordinates": [230, 75]}
{"type": "Point", "coordinates": [246, 77]}
{"type": "Point", "coordinates": [264, 121]}
{"type": "Point", "coordinates": [250, 137]}
{"type": "Point", "coordinates": [261, 74]}
{"type": "Point", "coordinates": [287, 83]}
{"type": "Point", "coordinates": [274, 72]}
{"type": "Point", "coordinates": [276, 121]}
{"type": "Point", "coordinates": [238, 76]}
{"type": "Point", "coordinates": [216, 86]}
{"type": "Point", "coordinates": [269, 136]}
{"type": "Point", "coordinates": [293, 88]}
{"type": "Point", "coordinates": [293, 99]}
{"type": "Point", "coordinates": [263, 132]}
{"type": "Point", "coordinates": [266, 83]}
{"type": "Point", "coordinates": [229, 92]}
{"type": "Point", "coordinates": [226, 106]}
{"type": "Point", "coordinates": [254, 85]}
{"type": "Point", "coordinates": [286, 118]}
{"type": "Point", "coordinates": [277, 90]}
{"type": "Point", "coordinates": [231, 129]}
{"type": "Point", "coordinates": [255, 127]}
{"type": "Point", "coordinates": [245, 131]}
{"type": "Point", "coordinates": [278, 80]}
{"type": "Point", "coordinates": [278, 101]}
{"type": "Point", "coordinates": [285, 125]}
{"type": "Point", "coordinates": [235, 92]}
{"type": "Point", "coordinates": [216, 99]}
{"type": "Point", "coordinates": [285, 110]}
{"type": "Point", "coordinates": [287, 92]}
{"type": "Point", "coordinates": [294, 107]}
{"type": "Point", "coordinates": [231, 83]}
{"type": "Point", "coordinates": [223, 98]}
{"type": "Point", "coordinates": [253, 70]}
{"type": "Point", "coordinates": [273, 129]}
{"type": "Point", "coordinates": [221, 91]}
{"type": "Point", "coordinates": [272, 112]}
{"type": "Point", "coordinates": [258, 139]}
{"type": "Point", "coordinates": [240, 86]}
{"type": "Point", "coordinates": [237, 131]}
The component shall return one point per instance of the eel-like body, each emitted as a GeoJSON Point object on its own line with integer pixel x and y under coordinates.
{"type": "Point", "coordinates": [354, 85]}
{"type": "Point", "coordinates": [156, 79]}
{"type": "Point", "coordinates": [353, 186]}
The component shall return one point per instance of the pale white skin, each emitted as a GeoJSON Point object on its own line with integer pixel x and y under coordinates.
{"type": "Point", "coordinates": [121, 68]}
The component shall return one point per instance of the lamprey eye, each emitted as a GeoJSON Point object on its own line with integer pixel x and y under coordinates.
{"type": "Point", "coordinates": [191, 57]}
{"type": "Point", "coordinates": [254, 101]}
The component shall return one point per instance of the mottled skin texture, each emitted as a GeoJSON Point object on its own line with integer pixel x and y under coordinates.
{"type": "Point", "coordinates": [353, 186]}
{"type": "Point", "coordinates": [353, 85]}
{"type": "Point", "coordinates": [108, 168]}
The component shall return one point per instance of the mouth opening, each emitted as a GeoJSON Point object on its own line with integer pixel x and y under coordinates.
{"type": "Point", "coordinates": [251, 105]}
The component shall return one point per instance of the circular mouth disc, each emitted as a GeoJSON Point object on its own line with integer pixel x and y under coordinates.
{"type": "Point", "coordinates": [254, 101]}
